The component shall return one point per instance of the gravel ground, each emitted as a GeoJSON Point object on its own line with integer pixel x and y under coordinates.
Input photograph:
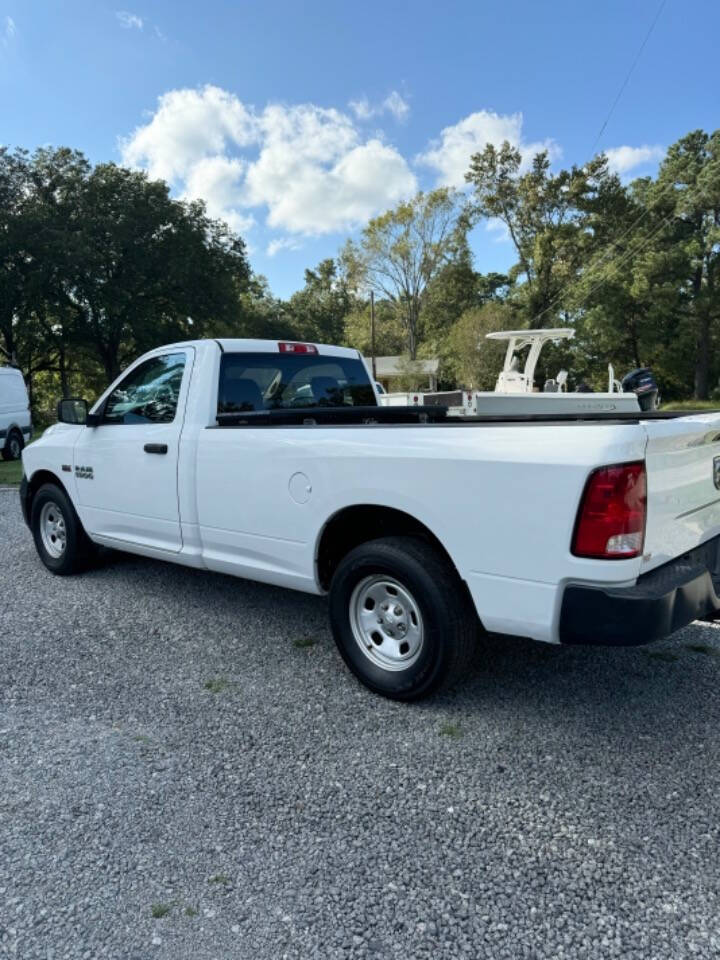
{"type": "Point", "coordinates": [180, 777]}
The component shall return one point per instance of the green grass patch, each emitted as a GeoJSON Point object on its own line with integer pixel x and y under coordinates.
{"type": "Point", "coordinates": [222, 878]}
{"type": "Point", "coordinates": [216, 685]}
{"type": "Point", "coordinates": [303, 642]}
{"type": "Point", "coordinates": [692, 405]}
{"type": "Point", "coordinates": [451, 730]}
{"type": "Point", "coordinates": [160, 910]}
{"type": "Point", "coordinates": [191, 911]}
{"type": "Point", "coordinates": [11, 471]}
{"type": "Point", "coordinates": [703, 648]}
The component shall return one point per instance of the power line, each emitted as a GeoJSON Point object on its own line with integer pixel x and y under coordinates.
{"type": "Point", "coordinates": [628, 75]}
{"type": "Point", "coordinates": [628, 255]}
{"type": "Point", "coordinates": [602, 254]}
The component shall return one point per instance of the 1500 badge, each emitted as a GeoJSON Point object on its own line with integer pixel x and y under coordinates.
{"type": "Point", "coordinates": [84, 473]}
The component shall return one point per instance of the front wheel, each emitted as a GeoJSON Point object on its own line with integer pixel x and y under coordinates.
{"type": "Point", "coordinates": [61, 543]}
{"type": "Point", "coordinates": [401, 617]}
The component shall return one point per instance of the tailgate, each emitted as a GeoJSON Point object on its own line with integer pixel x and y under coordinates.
{"type": "Point", "coordinates": [683, 478]}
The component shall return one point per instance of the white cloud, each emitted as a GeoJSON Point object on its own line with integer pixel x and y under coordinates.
{"type": "Point", "coordinates": [498, 229]}
{"type": "Point", "coordinates": [393, 104]}
{"type": "Point", "coordinates": [315, 174]}
{"type": "Point", "coordinates": [218, 181]}
{"type": "Point", "coordinates": [187, 127]}
{"type": "Point", "coordinates": [9, 31]}
{"type": "Point", "coordinates": [623, 159]}
{"type": "Point", "coordinates": [282, 243]}
{"type": "Point", "coordinates": [450, 154]}
{"type": "Point", "coordinates": [129, 21]}
{"type": "Point", "coordinates": [308, 166]}
{"type": "Point", "coordinates": [362, 109]}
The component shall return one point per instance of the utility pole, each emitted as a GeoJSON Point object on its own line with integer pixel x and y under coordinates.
{"type": "Point", "coordinates": [372, 332]}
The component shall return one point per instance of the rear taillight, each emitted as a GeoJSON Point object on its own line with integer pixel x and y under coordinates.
{"type": "Point", "coordinates": [287, 347]}
{"type": "Point", "coordinates": [611, 520]}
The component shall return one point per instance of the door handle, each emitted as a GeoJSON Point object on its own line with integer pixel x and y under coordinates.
{"type": "Point", "coordinates": [155, 448]}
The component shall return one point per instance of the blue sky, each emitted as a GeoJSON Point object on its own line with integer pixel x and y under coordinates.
{"type": "Point", "coordinates": [297, 121]}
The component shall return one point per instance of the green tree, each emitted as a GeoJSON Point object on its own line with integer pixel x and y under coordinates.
{"type": "Point", "coordinates": [260, 314]}
{"type": "Point", "coordinates": [103, 263]}
{"type": "Point", "coordinates": [318, 311]}
{"type": "Point", "coordinates": [546, 216]}
{"type": "Point", "coordinates": [455, 288]}
{"type": "Point", "coordinates": [390, 339]}
{"type": "Point", "coordinates": [37, 212]}
{"type": "Point", "coordinates": [469, 359]}
{"type": "Point", "coordinates": [400, 252]}
{"type": "Point", "coordinates": [625, 304]}
{"type": "Point", "coordinates": [13, 243]}
{"type": "Point", "coordinates": [688, 190]}
{"type": "Point", "coordinates": [150, 269]}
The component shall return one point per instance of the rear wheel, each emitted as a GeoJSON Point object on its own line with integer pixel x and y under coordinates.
{"type": "Point", "coordinates": [61, 543]}
{"type": "Point", "coordinates": [13, 446]}
{"type": "Point", "coordinates": [401, 617]}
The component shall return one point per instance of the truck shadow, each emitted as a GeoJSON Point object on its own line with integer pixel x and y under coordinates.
{"type": "Point", "coordinates": [639, 702]}
{"type": "Point", "coordinates": [600, 684]}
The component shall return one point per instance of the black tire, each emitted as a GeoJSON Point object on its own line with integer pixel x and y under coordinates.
{"type": "Point", "coordinates": [79, 550]}
{"type": "Point", "coordinates": [13, 446]}
{"type": "Point", "coordinates": [450, 626]}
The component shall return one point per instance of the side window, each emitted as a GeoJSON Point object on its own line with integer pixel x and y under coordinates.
{"type": "Point", "coordinates": [149, 394]}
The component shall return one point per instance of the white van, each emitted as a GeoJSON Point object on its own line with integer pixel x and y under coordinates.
{"type": "Point", "coordinates": [15, 422]}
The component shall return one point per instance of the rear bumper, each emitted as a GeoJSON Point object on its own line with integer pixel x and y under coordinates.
{"type": "Point", "coordinates": [661, 602]}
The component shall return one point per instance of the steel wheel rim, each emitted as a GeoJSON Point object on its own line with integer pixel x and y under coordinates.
{"type": "Point", "coordinates": [386, 622]}
{"type": "Point", "coordinates": [15, 448]}
{"type": "Point", "coordinates": [53, 532]}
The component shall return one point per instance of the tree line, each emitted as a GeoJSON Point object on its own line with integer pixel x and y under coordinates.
{"type": "Point", "coordinates": [98, 264]}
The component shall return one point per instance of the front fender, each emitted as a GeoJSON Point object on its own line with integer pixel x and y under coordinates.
{"type": "Point", "coordinates": [25, 499]}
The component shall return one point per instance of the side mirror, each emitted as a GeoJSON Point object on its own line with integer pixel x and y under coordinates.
{"type": "Point", "coordinates": [74, 410]}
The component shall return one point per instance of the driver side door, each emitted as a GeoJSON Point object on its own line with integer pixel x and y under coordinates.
{"type": "Point", "coordinates": [126, 468]}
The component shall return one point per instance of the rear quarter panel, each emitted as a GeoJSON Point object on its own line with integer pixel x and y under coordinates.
{"type": "Point", "coordinates": [501, 499]}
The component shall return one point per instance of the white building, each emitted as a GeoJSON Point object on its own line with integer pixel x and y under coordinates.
{"type": "Point", "coordinates": [389, 370]}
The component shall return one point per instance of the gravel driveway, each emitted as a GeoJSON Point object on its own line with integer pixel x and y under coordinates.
{"type": "Point", "coordinates": [187, 770]}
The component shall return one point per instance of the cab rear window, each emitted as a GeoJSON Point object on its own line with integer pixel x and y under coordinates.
{"type": "Point", "coordinates": [252, 382]}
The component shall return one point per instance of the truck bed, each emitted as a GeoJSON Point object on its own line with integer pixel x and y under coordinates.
{"type": "Point", "coordinates": [364, 416]}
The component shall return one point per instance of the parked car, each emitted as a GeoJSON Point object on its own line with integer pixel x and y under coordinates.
{"type": "Point", "coordinates": [274, 461]}
{"type": "Point", "coordinates": [15, 419]}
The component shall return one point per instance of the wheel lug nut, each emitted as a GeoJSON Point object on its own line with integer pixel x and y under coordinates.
{"type": "Point", "coordinates": [398, 611]}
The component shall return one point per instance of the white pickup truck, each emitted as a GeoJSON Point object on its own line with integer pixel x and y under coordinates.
{"type": "Point", "coordinates": [273, 461]}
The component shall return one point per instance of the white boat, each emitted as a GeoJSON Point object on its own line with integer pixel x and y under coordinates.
{"type": "Point", "coordinates": [515, 391]}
